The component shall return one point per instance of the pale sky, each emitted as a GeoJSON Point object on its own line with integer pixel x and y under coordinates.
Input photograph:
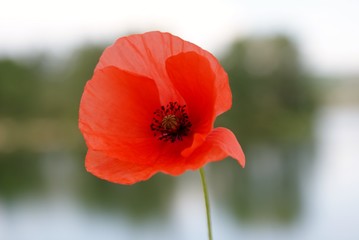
{"type": "Point", "coordinates": [326, 31]}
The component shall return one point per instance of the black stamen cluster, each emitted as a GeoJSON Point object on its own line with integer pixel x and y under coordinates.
{"type": "Point", "coordinates": [180, 122]}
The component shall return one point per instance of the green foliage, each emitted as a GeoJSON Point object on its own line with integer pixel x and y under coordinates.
{"type": "Point", "coordinates": [32, 88]}
{"type": "Point", "coordinates": [79, 70]}
{"type": "Point", "coordinates": [20, 175]}
{"type": "Point", "coordinates": [274, 102]}
{"type": "Point", "coordinates": [139, 201]}
{"type": "Point", "coordinates": [18, 88]}
{"type": "Point", "coordinates": [273, 99]}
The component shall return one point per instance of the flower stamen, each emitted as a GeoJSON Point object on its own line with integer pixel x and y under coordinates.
{"type": "Point", "coordinates": [171, 122]}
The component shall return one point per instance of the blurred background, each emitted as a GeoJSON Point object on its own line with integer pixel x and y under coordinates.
{"type": "Point", "coordinates": [294, 73]}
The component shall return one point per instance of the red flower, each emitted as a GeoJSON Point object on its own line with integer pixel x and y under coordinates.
{"type": "Point", "coordinates": [150, 107]}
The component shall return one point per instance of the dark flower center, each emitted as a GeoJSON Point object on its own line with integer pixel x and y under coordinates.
{"type": "Point", "coordinates": [171, 122]}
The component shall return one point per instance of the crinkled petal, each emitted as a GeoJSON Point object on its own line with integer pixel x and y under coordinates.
{"type": "Point", "coordinates": [220, 143]}
{"type": "Point", "coordinates": [116, 170]}
{"type": "Point", "coordinates": [146, 54]}
{"type": "Point", "coordinates": [116, 109]}
{"type": "Point", "coordinates": [193, 78]}
{"type": "Point", "coordinates": [137, 161]}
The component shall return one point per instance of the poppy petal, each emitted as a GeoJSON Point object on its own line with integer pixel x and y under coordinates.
{"type": "Point", "coordinates": [114, 170]}
{"type": "Point", "coordinates": [192, 76]}
{"type": "Point", "coordinates": [220, 143]}
{"type": "Point", "coordinates": [146, 54]}
{"type": "Point", "coordinates": [117, 108]}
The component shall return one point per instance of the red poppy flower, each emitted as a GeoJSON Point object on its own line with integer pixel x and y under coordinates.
{"type": "Point", "coordinates": [150, 107]}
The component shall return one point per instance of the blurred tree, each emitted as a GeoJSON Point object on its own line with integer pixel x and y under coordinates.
{"type": "Point", "coordinates": [273, 105]}
{"type": "Point", "coordinates": [65, 79]}
{"type": "Point", "coordinates": [79, 70]}
{"type": "Point", "coordinates": [273, 99]}
{"type": "Point", "coordinates": [148, 199]}
{"type": "Point", "coordinates": [18, 87]}
{"type": "Point", "coordinates": [20, 175]}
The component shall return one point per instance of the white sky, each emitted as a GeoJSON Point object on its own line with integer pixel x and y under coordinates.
{"type": "Point", "coordinates": [326, 30]}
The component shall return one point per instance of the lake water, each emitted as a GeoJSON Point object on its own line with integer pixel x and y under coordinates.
{"type": "Point", "coordinates": [329, 196]}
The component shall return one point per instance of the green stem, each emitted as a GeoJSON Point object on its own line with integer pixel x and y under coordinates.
{"type": "Point", "coordinates": [206, 199]}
